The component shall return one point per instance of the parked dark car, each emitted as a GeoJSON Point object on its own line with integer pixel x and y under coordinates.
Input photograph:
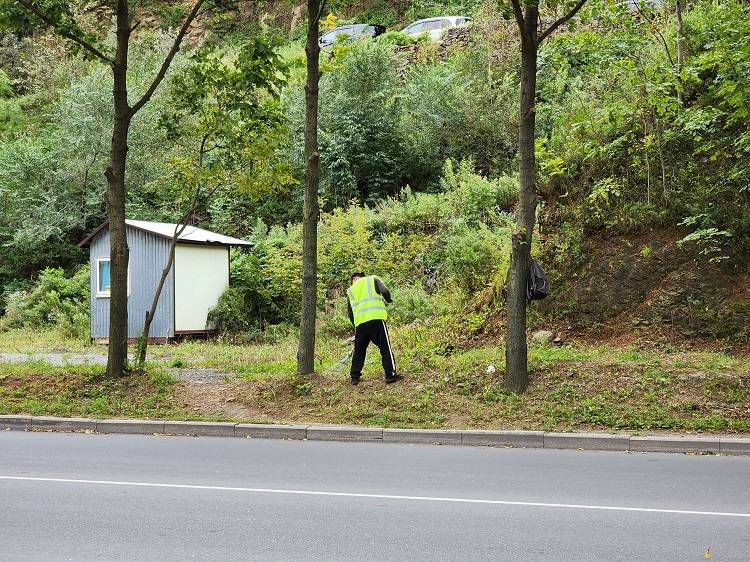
{"type": "Point", "coordinates": [350, 32]}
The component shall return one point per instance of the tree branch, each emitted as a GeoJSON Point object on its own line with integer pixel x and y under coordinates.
{"type": "Point", "coordinates": [167, 61]}
{"type": "Point", "coordinates": [321, 9]}
{"type": "Point", "coordinates": [518, 13]}
{"type": "Point", "coordinates": [561, 21]}
{"type": "Point", "coordinates": [49, 21]}
{"type": "Point", "coordinates": [655, 31]}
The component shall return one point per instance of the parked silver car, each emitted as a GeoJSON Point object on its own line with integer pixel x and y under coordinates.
{"type": "Point", "coordinates": [350, 32]}
{"type": "Point", "coordinates": [435, 27]}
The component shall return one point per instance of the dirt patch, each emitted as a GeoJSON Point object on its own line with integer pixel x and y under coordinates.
{"type": "Point", "coordinates": [216, 399]}
{"type": "Point", "coordinates": [647, 284]}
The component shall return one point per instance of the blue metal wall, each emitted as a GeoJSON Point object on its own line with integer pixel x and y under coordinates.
{"type": "Point", "coordinates": [148, 256]}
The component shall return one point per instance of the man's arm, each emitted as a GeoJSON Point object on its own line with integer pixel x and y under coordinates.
{"type": "Point", "coordinates": [349, 310]}
{"type": "Point", "coordinates": [382, 290]}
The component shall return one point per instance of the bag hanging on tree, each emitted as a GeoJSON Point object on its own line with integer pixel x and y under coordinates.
{"type": "Point", "coordinates": [537, 286]}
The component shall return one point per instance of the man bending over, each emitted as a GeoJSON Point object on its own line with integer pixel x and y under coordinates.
{"type": "Point", "coordinates": [367, 297]}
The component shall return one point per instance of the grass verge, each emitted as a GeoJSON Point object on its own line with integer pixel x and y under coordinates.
{"type": "Point", "coordinates": [572, 387]}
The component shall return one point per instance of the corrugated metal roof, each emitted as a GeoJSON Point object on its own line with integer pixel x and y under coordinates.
{"type": "Point", "coordinates": [190, 234]}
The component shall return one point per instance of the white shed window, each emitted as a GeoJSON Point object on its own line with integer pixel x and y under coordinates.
{"type": "Point", "coordinates": [102, 277]}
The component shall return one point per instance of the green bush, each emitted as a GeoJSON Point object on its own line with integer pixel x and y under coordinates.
{"type": "Point", "coordinates": [54, 300]}
{"type": "Point", "coordinates": [230, 316]}
{"type": "Point", "coordinates": [413, 212]}
{"type": "Point", "coordinates": [470, 257]}
{"type": "Point", "coordinates": [410, 303]}
{"type": "Point", "coordinates": [399, 39]}
{"type": "Point", "coordinates": [476, 198]}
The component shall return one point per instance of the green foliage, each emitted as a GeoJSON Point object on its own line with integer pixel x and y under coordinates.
{"type": "Point", "coordinates": [411, 303]}
{"type": "Point", "coordinates": [360, 147]}
{"type": "Point", "coordinates": [60, 15]}
{"type": "Point", "coordinates": [418, 148]}
{"type": "Point", "coordinates": [172, 15]}
{"type": "Point", "coordinates": [476, 198]}
{"type": "Point", "coordinates": [413, 212]}
{"type": "Point", "coordinates": [470, 256]}
{"type": "Point", "coordinates": [225, 104]}
{"type": "Point", "coordinates": [398, 39]}
{"type": "Point", "coordinates": [54, 300]}
{"type": "Point", "coordinates": [622, 147]}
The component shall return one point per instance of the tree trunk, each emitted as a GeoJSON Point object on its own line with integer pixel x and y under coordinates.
{"type": "Point", "coordinates": [306, 350]}
{"type": "Point", "coordinates": [516, 370]}
{"type": "Point", "coordinates": [143, 343]}
{"type": "Point", "coordinates": [116, 195]}
{"type": "Point", "coordinates": [680, 48]}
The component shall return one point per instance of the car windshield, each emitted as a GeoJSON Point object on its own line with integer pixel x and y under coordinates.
{"type": "Point", "coordinates": [331, 35]}
{"type": "Point", "coordinates": [437, 24]}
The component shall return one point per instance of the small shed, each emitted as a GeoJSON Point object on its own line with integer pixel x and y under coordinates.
{"type": "Point", "coordinates": [199, 275]}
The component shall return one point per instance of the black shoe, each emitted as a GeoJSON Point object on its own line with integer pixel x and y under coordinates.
{"type": "Point", "coordinates": [393, 378]}
{"type": "Point", "coordinates": [355, 381]}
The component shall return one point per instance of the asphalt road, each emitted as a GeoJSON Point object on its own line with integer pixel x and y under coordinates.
{"type": "Point", "coordinates": [123, 497]}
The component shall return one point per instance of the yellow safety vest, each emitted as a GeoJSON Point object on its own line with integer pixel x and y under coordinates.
{"type": "Point", "coordinates": [366, 303]}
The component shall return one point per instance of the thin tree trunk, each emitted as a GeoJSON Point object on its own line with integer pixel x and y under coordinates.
{"type": "Point", "coordinates": [179, 229]}
{"type": "Point", "coordinates": [648, 165]}
{"type": "Point", "coordinates": [143, 343]}
{"type": "Point", "coordinates": [116, 196]}
{"type": "Point", "coordinates": [660, 151]}
{"type": "Point", "coordinates": [516, 369]}
{"type": "Point", "coordinates": [680, 48]}
{"type": "Point", "coordinates": [311, 212]}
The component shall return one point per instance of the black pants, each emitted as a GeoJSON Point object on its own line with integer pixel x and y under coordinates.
{"type": "Point", "coordinates": [374, 331]}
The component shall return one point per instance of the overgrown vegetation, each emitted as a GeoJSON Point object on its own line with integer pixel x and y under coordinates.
{"type": "Point", "coordinates": [419, 184]}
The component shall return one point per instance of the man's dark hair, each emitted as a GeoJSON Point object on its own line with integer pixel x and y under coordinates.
{"type": "Point", "coordinates": [357, 274]}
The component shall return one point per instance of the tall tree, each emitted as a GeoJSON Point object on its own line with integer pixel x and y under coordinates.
{"type": "Point", "coordinates": [311, 210]}
{"type": "Point", "coordinates": [526, 14]}
{"type": "Point", "coordinates": [63, 17]}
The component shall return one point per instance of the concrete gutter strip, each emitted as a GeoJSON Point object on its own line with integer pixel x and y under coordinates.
{"type": "Point", "coordinates": [15, 422]}
{"type": "Point", "coordinates": [470, 437]}
{"type": "Point", "coordinates": [735, 446]}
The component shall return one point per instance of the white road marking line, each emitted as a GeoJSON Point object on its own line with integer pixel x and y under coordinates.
{"type": "Point", "coordinates": [374, 496]}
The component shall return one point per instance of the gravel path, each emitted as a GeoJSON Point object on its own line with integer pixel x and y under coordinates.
{"type": "Point", "coordinates": [55, 358]}
{"type": "Point", "coordinates": [199, 375]}
{"type": "Point", "coordinates": [185, 374]}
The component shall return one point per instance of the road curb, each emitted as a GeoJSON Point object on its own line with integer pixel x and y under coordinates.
{"type": "Point", "coordinates": [428, 436]}
{"type": "Point", "coordinates": [15, 422]}
{"type": "Point", "coordinates": [468, 437]}
{"type": "Point", "coordinates": [51, 423]}
{"type": "Point", "coordinates": [141, 427]}
{"type": "Point", "coordinates": [343, 433]}
{"type": "Point", "coordinates": [675, 444]}
{"type": "Point", "coordinates": [599, 441]}
{"type": "Point", "coordinates": [270, 431]}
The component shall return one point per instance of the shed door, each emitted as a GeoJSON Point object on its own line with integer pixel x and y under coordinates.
{"type": "Point", "coordinates": [201, 275]}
